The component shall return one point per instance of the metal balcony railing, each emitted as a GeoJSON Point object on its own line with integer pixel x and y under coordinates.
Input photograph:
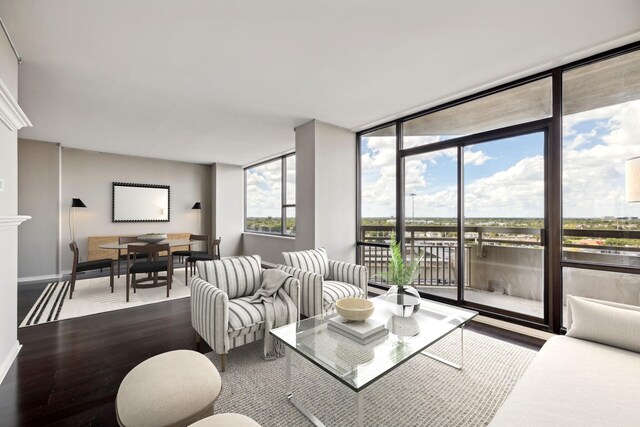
{"type": "Point", "coordinates": [439, 243]}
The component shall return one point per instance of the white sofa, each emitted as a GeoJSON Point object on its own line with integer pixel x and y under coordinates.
{"type": "Point", "coordinates": [578, 382]}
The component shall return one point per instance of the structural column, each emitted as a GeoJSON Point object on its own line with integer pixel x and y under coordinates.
{"type": "Point", "coordinates": [326, 189]}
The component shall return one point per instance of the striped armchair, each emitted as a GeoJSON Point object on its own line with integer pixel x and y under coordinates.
{"type": "Point", "coordinates": [324, 281]}
{"type": "Point", "coordinates": [221, 312]}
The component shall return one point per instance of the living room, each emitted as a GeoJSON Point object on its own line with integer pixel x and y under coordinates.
{"type": "Point", "coordinates": [190, 188]}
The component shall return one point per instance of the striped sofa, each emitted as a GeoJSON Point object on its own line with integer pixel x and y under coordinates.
{"type": "Point", "coordinates": [221, 312]}
{"type": "Point", "coordinates": [324, 281]}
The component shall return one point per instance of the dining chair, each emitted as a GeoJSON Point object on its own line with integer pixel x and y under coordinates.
{"type": "Point", "coordinates": [187, 253]}
{"type": "Point", "coordinates": [151, 267]}
{"type": "Point", "coordinates": [201, 256]}
{"type": "Point", "coordinates": [79, 267]}
{"type": "Point", "coordinates": [123, 240]}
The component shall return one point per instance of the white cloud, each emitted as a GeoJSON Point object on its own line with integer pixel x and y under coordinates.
{"type": "Point", "coordinates": [264, 184]}
{"type": "Point", "coordinates": [593, 177]}
{"type": "Point", "coordinates": [476, 158]}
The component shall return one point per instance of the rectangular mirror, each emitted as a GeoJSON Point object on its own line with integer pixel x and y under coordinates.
{"type": "Point", "coordinates": [140, 203]}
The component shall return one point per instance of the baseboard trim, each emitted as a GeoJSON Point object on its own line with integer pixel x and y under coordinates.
{"type": "Point", "coordinates": [523, 330]}
{"type": "Point", "coordinates": [8, 361]}
{"type": "Point", "coordinates": [39, 278]}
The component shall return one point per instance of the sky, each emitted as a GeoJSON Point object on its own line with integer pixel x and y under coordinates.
{"type": "Point", "coordinates": [505, 178]}
{"type": "Point", "coordinates": [264, 188]}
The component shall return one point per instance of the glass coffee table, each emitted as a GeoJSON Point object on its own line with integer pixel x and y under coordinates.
{"type": "Point", "coordinates": [358, 366]}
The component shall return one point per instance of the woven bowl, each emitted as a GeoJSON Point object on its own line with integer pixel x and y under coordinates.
{"type": "Point", "coordinates": [354, 309]}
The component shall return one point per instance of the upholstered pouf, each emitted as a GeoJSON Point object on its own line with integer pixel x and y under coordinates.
{"type": "Point", "coordinates": [172, 389]}
{"type": "Point", "coordinates": [226, 420]}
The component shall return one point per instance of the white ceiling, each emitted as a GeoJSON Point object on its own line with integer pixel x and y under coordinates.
{"type": "Point", "coordinates": [227, 81]}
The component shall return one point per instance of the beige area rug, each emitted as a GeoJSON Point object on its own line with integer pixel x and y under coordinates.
{"type": "Point", "coordinates": [94, 296]}
{"type": "Point", "coordinates": [421, 392]}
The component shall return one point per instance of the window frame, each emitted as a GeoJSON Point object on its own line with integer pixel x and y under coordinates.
{"type": "Point", "coordinates": [554, 261]}
{"type": "Point", "coordinates": [283, 195]}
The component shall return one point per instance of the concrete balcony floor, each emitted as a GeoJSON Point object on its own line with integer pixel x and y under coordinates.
{"type": "Point", "coordinates": [490, 299]}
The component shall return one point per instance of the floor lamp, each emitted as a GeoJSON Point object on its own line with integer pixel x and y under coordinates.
{"type": "Point", "coordinates": [198, 207]}
{"type": "Point", "coordinates": [75, 203]}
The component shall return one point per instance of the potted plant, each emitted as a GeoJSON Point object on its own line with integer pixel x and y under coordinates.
{"type": "Point", "coordinates": [401, 273]}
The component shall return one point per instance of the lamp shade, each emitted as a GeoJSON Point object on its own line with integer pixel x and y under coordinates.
{"type": "Point", "coordinates": [77, 203]}
{"type": "Point", "coordinates": [197, 205]}
{"type": "Point", "coordinates": [632, 174]}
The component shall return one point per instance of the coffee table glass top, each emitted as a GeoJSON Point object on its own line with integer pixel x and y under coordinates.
{"type": "Point", "coordinates": [358, 365]}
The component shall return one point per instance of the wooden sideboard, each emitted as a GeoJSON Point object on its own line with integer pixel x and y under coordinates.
{"type": "Point", "coordinates": [96, 252]}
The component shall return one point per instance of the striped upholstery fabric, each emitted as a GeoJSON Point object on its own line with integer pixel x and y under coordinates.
{"type": "Point", "coordinates": [210, 314]}
{"type": "Point", "coordinates": [245, 317]}
{"type": "Point", "coordinates": [237, 277]}
{"type": "Point", "coordinates": [357, 275]}
{"type": "Point", "coordinates": [226, 323]}
{"type": "Point", "coordinates": [344, 279]}
{"type": "Point", "coordinates": [315, 260]}
{"type": "Point", "coordinates": [333, 291]}
{"type": "Point", "coordinates": [310, 290]}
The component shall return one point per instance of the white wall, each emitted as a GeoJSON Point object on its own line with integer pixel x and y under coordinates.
{"type": "Point", "coordinates": [270, 248]}
{"type": "Point", "coordinates": [228, 207]}
{"type": "Point", "coordinates": [8, 208]}
{"type": "Point", "coordinates": [335, 191]}
{"type": "Point", "coordinates": [39, 197]}
{"type": "Point", "coordinates": [89, 175]}
{"type": "Point", "coordinates": [305, 186]}
{"type": "Point", "coordinates": [326, 190]}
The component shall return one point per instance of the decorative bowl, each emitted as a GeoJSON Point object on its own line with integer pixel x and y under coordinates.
{"type": "Point", "coordinates": [152, 237]}
{"type": "Point", "coordinates": [354, 309]}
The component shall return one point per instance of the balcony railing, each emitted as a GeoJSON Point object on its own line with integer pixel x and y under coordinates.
{"type": "Point", "coordinates": [439, 244]}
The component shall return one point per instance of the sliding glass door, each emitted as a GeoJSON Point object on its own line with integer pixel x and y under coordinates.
{"type": "Point", "coordinates": [504, 222]}
{"type": "Point", "coordinates": [431, 220]}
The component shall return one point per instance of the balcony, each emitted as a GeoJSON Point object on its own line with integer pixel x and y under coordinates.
{"type": "Point", "coordinates": [504, 266]}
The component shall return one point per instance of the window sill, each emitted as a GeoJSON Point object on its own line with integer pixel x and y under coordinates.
{"type": "Point", "coordinates": [277, 236]}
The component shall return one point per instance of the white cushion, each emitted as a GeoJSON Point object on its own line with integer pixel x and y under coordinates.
{"type": "Point", "coordinates": [334, 291]}
{"type": "Point", "coordinates": [575, 383]}
{"type": "Point", "coordinates": [569, 320]}
{"type": "Point", "coordinates": [236, 277]}
{"type": "Point", "coordinates": [245, 317]}
{"type": "Point", "coordinates": [171, 389]}
{"type": "Point", "coordinates": [315, 261]}
{"type": "Point", "coordinates": [602, 323]}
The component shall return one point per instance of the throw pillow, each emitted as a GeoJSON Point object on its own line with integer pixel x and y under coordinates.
{"type": "Point", "coordinates": [604, 324]}
{"type": "Point", "coordinates": [315, 261]}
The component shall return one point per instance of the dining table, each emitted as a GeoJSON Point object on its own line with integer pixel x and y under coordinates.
{"type": "Point", "coordinates": [123, 246]}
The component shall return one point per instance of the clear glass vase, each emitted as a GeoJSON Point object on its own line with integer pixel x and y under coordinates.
{"type": "Point", "coordinates": [405, 300]}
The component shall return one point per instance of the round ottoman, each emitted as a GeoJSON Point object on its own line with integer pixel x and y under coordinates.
{"type": "Point", "coordinates": [172, 389]}
{"type": "Point", "coordinates": [226, 420]}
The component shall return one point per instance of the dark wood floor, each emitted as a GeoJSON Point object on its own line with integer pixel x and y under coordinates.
{"type": "Point", "coordinates": [68, 372]}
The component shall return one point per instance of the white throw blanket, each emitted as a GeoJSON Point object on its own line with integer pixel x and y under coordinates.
{"type": "Point", "coordinates": [279, 308]}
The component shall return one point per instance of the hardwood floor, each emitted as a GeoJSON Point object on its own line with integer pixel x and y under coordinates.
{"type": "Point", "coordinates": [68, 372]}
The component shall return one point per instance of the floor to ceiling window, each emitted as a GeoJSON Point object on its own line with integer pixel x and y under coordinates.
{"type": "Point", "coordinates": [474, 185]}
{"type": "Point", "coordinates": [377, 182]}
{"type": "Point", "coordinates": [601, 179]}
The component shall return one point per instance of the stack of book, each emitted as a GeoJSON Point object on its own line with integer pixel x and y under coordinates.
{"type": "Point", "coordinates": [361, 332]}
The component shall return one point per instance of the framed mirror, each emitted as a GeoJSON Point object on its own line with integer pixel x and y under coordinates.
{"type": "Point", "coordinates": [140, 203]}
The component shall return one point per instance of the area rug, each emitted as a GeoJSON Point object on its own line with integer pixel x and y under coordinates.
{"type": "Point", "coordinates": [93, 296]}
{"type": "Point", "coordinates": [421, 392]}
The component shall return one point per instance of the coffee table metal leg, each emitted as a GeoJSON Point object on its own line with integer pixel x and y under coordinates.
{"type": "Point", "coordinates": [304, 411]}
{"type": "Point", "coordinates": [446, 362]}
{"type": "Point", "coordinates": [360, 397]}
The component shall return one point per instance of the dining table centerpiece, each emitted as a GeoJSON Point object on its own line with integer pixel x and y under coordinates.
{"type": "Point", "coordinates": [152, 237]}
{"type": "Point", "coordinates": [404, 298]}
